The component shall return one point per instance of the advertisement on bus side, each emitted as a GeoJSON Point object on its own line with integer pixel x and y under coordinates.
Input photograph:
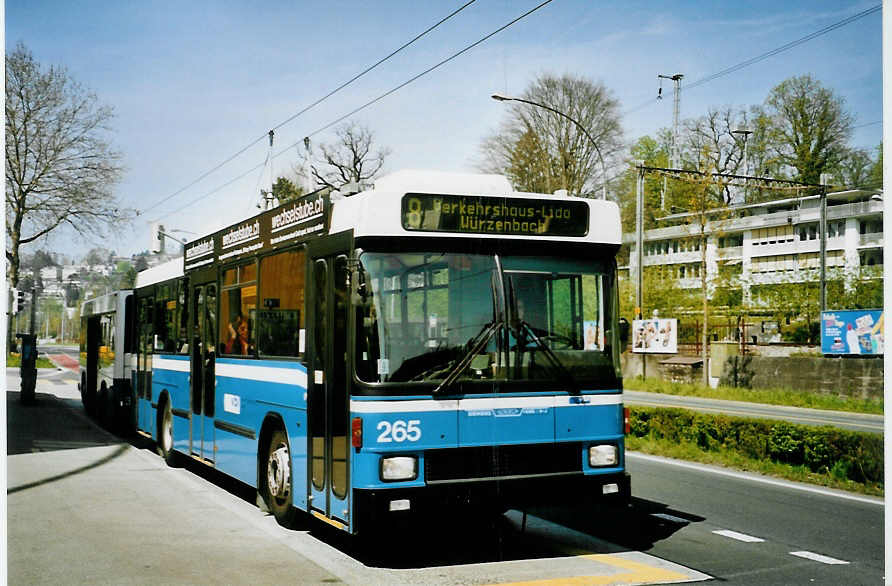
{"type": "Point", "coordinates": [852, 332]}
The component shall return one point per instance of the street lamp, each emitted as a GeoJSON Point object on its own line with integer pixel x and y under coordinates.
{"type": "Point", "coordinates": [501, 98]}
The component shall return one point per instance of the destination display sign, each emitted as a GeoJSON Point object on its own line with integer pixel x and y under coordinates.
{"type": "Point", "coordinates": [287, 224]}
{"type": "Point", "coordinates": [512, 216]}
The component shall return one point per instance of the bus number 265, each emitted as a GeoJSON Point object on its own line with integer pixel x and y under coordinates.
{"type": "Point", "coordinates": [399, 431]}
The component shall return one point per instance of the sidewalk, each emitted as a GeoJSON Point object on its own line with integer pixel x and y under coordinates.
{"type": "Point", "coordinates": [87, 507]}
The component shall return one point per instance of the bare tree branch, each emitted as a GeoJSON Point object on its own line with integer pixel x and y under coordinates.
{"type": "Point", "coordinates": [350, 159]}
{"type": "Point", "coordinates": [60, 166]}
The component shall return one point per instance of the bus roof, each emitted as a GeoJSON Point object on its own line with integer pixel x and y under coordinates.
{"type": "Point", "coordinates": [160, 273]}
{"type": "Point", "coordinates": [409, 203]}
{"type": "Point", "coordinates": [468, 205]}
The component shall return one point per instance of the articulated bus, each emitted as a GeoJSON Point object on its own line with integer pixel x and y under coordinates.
{"type": "Point", "coordinates": [437, 340]}
{"type": "Point", "coordinates": [106, 354]}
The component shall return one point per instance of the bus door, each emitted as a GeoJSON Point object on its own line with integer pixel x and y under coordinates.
{"type": "Point", "coordinates": [94, 335]}
{"type": "Point", "coordinates": [328, 401]}
{"type": "Point", "coordinates": [145, 346]}
{"type": "Point", "coordinates": [203, 315]}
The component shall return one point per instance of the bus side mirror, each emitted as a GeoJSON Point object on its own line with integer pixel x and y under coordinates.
{"type": "Point", "coordinates": [360, 288]}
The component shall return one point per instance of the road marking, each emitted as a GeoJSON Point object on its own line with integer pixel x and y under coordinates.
{"type": "Point", "coordinates": [640, 574]}
{"type": "Point", "coordinates": [739, 536]}
{"type": "Point", "coordinates": [818, 558]}
{"type": "Point", "coordinates": [670, 518]}
{"type": "Point", "coordinates": [753, 478]}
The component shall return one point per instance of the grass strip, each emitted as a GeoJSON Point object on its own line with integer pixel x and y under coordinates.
{"type": "Point", "coordinates": [14, 360]}
{"type": "Point", "coordinates": [830, 457]}
{"type": "Point", "coordinates": [787, 397]}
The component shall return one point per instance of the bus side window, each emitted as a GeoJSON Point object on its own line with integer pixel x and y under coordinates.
{"type": "Point", "coordinates": [282, 290]}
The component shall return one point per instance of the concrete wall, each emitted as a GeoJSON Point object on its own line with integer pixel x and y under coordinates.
{"type": "Point", "coordinates": [852, 377]}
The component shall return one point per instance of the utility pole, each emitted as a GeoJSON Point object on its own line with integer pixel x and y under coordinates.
{"type": "Point", "coordinates": [269, 195]}
{"type": "Point", "coordinates": [822, 232]}
{"type": "Point", "coordinates": [639, 256]}
{"type": "Point", "coordinates": [674, 161]}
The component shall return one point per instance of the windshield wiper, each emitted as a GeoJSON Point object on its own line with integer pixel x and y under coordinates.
{"type": "Point", "coordinates": [476, 344]}
{"type": "Point", "coordinates": [519, 326]}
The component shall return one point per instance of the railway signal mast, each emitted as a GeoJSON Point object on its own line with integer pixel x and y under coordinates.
{"type": "Point", "coordinates": [674, 157]}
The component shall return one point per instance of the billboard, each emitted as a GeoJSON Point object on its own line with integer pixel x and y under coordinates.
{"type": "Point", "coordinates": [655, 336]}
{"type": "Point", "coordinates": [852, 332]}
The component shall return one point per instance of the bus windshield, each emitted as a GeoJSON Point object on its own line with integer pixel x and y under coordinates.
{"type": "Point", "coordinates": [442, 318]}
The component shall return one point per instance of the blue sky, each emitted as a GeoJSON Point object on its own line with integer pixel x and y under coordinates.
{"type": "Point", "coordinates": [194, 82]}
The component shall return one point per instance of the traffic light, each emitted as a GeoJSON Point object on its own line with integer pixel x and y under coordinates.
{"type": "Point", "coordinates": [19, 303]}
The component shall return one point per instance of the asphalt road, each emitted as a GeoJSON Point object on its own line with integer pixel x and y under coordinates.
{"type": "Point", "coordinates": [85, 506]}
{"type": "Point", "coordinates": [841, 419]}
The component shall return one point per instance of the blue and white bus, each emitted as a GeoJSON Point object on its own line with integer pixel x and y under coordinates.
{"type": "Point", "coordinates": [437, 340]}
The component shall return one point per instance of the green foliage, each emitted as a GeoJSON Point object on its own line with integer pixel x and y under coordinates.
{"type": "Point", "coordinates": [844, 455]}
{"type": "Point", "coordinates": [802, 333]}
{"type": "Point", "coordinates": [14, 360]}
{"type": "Point", "coordinates": [810, 126]}
{"type": "Point", "coordinates": [285, 190]}
{"type": "Point", "coordinates": [767, 396]}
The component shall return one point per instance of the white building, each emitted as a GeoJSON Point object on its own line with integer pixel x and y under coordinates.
{"type": "Point", "coordinates": [770, 242]}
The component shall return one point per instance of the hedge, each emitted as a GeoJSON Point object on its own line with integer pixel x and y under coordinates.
{"type": "Point", "coordinates": [845, 455]}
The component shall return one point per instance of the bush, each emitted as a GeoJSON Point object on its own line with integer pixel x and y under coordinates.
{"type": "Point", "coordinates": [844, 455]}
{"type": "Point", "coordinates": [802, 333]}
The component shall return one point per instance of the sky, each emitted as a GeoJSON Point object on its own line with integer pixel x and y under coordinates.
{"type": "Point", "coordinates": [193, 83]}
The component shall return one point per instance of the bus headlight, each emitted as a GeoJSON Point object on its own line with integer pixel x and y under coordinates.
{"type": "Point", "coordinates": [399, 468]}
{"type": "Point", "coordinates": [602, 456]}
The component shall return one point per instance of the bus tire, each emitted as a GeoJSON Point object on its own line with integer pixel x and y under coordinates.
{"type": "Point", "coordinates": [104, 407]}
{"type": "Point", "coordinates": [276, 479]}
{"type": "Point", "coordinates": [165, 434]}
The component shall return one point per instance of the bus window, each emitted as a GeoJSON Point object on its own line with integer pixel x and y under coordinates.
{"type": "Point", "coordinates": [279, 327]}
{"type": "Point", "coordinates": [238, 310]}
{"type": "Point", "coordinates": [165, 319]}
{"type": "Point", "coordinates": [182, 345]}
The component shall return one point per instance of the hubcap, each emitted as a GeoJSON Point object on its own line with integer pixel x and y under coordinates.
{"type": "Point", "coordinates": [167, 432]}
{"type": "Point", "coordinates": [278, 472]}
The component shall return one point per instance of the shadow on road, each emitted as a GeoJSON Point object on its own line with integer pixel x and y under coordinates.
{"type": "Point", "coordinates": [563, 531]}
{"type": "Point", "coordinates": [50, 424]}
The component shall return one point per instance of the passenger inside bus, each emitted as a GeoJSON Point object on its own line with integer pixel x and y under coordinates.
{"type": "Point", "coordinates": [238, 336]}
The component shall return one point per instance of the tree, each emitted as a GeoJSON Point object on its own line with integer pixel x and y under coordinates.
{"type": "Point", "coordinates": [285, 190]}
{"type": "Point", "coordinates": [96, 257]}
{"type": "Point", "coordinates": [810, 126]}
{"type": "Point", "coordinates": [854, 169]}
{"type": "Point", "coordinates": [60, 167]}
{"type": "Point", "coordinates": [350, 159]}
{"type": "Point", "coordinates": [541, 151]}
{"type": "Point", "coordinates": [876, 170]}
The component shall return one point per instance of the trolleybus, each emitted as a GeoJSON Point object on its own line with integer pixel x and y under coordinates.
{"type": "Point", "coordinates": [106, 357]}
{"type": "Point", "coordinates": [436, 340]}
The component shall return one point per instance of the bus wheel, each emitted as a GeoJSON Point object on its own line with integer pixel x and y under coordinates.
{"type": "Point", "coordinates": [276, 479]}
{"type": "Point", "coordinates": [165, 435]}
{"type": "Point", "coordinates": [103, 407]}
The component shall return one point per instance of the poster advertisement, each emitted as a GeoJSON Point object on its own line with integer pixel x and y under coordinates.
{"type": "Point", "coordinates": [857, 331]}
{"type": "Point", "coordinates": [655, 336]}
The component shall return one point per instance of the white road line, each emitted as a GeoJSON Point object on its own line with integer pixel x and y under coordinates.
{"type": "Point", "coordinates": [670, 518]}
{"type": "Point", "coordinates": [818, 558]}
{"type": "Point", "coordinates": [755, 478]}
{"type": "Point", "coordinates": [739, 536]}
